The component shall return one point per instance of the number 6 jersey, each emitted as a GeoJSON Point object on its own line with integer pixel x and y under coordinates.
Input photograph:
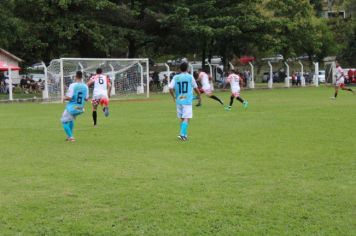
{"type": "Point", "coordinates": [79, 92]}
{"type": "Point", "coordinates": [101, 83]}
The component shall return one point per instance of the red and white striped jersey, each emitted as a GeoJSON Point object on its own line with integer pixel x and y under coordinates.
{"type": "Point", "coordinates": [101, 83]}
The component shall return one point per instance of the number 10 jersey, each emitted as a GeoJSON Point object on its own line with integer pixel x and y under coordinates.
{"type": "Point", "coordinates": [183, 84]}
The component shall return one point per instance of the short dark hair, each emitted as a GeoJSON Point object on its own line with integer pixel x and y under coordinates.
{"type": "Point", "coordinates": [99, 71]}
{"type": "Point", "coordinates": [196, 74]}
{"type": "Point", "coordinates": [183, 67]}
{"type": "Point", "coordinates": [79, 74]}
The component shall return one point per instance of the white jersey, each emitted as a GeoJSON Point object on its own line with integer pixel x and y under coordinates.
{"type": "Point", "coordinates": [101, 83]}
{"type": "Point", "coordinates": [204, 80]}
{"type": "Point", "coordinates": [234, 81]}
{"type": "Point", "coordinates": [340, 76]}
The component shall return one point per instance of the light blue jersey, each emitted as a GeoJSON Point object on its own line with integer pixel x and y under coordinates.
{"type": "Point", "coordinates": [79, 92]}
{"type": "Point", "coordinates": [183, 84]}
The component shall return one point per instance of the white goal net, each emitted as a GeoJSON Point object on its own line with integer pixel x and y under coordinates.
{"type": "Point", "coordinates": [129, 77]}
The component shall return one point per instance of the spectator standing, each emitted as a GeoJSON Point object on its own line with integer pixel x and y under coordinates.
{"type": "Point", "coordinates": [350, 75]}
{"type": "Point", "coordinates": [7, 85]}
{"type": "Point", "coordinates": [294, 79]}
{"type": "Point", "coordinates": [2, 83]}
{"type": "Point", "coordinates": [298, 79]}
{"type": "Point", "coordinates": [23, 84]}
{"type": "Point", "coordinates": [155, 78]}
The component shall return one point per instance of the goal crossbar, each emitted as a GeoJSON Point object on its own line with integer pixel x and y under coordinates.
{"type": "Point", "coordinates": [128, 75]}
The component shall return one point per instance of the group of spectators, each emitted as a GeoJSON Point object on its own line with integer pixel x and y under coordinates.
{"type": "Point", "coordinates": [26, 85]}
{"type": "Point", "coordinates": [296, 79]}
{"type": "Point", "coordinates": [4, 84]}
{"type": "Point", "coordinates": [156, 83]}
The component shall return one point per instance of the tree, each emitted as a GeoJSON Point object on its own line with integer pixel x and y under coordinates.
{"type": "Point", "coordinates": [297, 31]}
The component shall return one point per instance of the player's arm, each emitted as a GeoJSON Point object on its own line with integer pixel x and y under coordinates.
{"type": "Point", "coordinates": [199, 78]}
{"type": "Point", "coordinates": [87, 96]}
{"type": "Point", "coordinates": [66, 98]}
{"type": "Point", "coordinates": [197, 92]}
{"type": "Point", "coordinates": [227, 81]}
{"type": "Point", "coordinates": [90, 82]}
{"type": "Point", "coordinates": [195, 87]}
{"type": "Point", "coordinates": [69, 94]}
{"type": "Point", "coordinates": [171, 89]}
{"type": "Point", "coordinates": [242, 82]}
{"type": "Point", "coordinates": [108, 81]}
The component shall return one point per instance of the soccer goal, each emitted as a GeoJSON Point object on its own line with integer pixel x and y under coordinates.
{"type": "Point", "coordinates": [129, 77]}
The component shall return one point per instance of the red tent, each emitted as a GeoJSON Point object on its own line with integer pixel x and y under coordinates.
{"type": "Point", "coordinates": [5, 67]}
{"type": "Point", "coordinates": [246, 59]}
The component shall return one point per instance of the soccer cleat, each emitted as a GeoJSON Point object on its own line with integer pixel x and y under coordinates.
{"type": "Point", "coordinates": [182, 138]}
{"type": "Point", "coordinates": [106, 111]}
{"type": "Point", "coordinates": [245, 104]}
{"type": "Point", "coordinates": [228, 108]}
{"type": "Point", "coordinates": [70, 139]}
{"type": "Point", "coordinates": [333, 98]}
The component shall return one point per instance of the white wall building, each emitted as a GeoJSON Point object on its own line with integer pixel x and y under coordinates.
{"type": "Point", "coordinates": [10, 59]}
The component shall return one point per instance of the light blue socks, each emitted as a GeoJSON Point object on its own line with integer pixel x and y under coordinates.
{"type": "Point", "coordinates": [184, 128]}
{"type": "Point", "coordinates": [68, 128]}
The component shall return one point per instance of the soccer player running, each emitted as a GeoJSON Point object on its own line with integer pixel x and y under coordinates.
{"type": "Point", "coordinates": [101, 93]}
{"type": "Point", "coordinates": [340, 81]}
{"type": "Point", "coordinates": [204, 79]}
{"type": "Point", "coordinates": [181, 89]}
{"type": "Point", "coordinates": [234, 79]}
{"type": "Point", "coordinates": [77, 95]}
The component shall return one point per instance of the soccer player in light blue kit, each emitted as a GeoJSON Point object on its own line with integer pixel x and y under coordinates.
{"type": "Point", "coordinates": [77, 95]}
{"type": "Point", "coordinates": [181, 89]}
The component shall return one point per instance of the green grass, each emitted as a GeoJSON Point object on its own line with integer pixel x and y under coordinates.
{"type": "Point", "coordinates": [285, 166]}
{"type": "Point", "coordinates": [20, 96]}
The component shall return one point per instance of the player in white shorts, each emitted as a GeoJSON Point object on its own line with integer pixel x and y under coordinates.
{"type": "Point", "coordinates": [235, 80]}
{"type": "Point", "coordinates": [182, 88]}
{"type": "Point", "coordinates": [204, 79]}
{"type": "Point", "coordinates": [340, 81]}
{"type": "Point", "coordinates": [101, 92]}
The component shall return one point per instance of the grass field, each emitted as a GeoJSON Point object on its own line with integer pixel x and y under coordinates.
{"type": "Point", "coordinates": [285, 166]}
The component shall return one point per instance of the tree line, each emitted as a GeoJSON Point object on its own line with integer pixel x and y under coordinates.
{"type": "Point", "coordinates": [46, 29]}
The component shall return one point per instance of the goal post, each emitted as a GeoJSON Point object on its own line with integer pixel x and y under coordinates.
{"type": "Point", "coordinates": [129, 76]}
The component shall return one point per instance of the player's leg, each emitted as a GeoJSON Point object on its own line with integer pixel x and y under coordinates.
{"type": "Point", "coordinates": [199, 97]}
{"type": "Point", "coordinates": [184, 128]}
{"type": "Point", "coordinates": [71, 125]}
{"type": "Point", "coordinates": [346, 89]}
{"type": "Point", "coordinates": [66, 120]}
{"type": "Point", "coordinates": [105, 102]}
{"type": "Point", "coordinates": [185, 112]}
{"type": "Point", "coordinates": [94, 107]}
{"type": "Point", "coordinates": [180, 116]}
{"type": "Point", "coordinates": [212, 96]}
{"type": "Point", "coordinates": [67, 130]}
{"type": "Point", "coordinates": [336, 92]}
{"type": "Point", "coordinates": [232, 98]}
{"type": "Point", "coordinates": [244, 102]}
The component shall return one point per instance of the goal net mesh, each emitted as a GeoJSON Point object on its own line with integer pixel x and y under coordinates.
{"type": "Point", "coordinates": [128, 76]}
